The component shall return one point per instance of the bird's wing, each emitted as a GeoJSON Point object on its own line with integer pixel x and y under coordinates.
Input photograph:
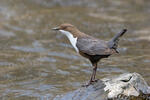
{"type": "Point", "coordinates": [92, 46]}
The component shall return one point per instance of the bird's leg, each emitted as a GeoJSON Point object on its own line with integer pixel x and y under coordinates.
{"type": "Point", "coordinates": [92, 79]}
{"type": "Point", "coordinates": [92, 76]}
{"type": "Point", "coordinates": [94, 69]}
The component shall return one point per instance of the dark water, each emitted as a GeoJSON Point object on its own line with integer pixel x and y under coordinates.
{"type": "Point", "coordinates": [37, 63]}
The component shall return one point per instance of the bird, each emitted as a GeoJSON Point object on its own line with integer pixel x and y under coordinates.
{"type": "Point", "coordinates": [90, 47]}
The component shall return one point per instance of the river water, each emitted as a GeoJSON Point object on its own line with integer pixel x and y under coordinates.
{"type": "Point", "coordinates": [37, 63]}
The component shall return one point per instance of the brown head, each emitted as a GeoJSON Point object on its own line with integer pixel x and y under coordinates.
{"type": "Point", "coordinates": [68, 28]}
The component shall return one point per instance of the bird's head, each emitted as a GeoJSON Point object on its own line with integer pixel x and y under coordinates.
{"type": "Point", "coordinates": [64, 27]}
{"type": "Point", "coordinates": [68, 29]}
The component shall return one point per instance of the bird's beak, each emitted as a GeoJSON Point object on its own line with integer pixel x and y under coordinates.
{"type": "Point", "coordinates": [55, 28]}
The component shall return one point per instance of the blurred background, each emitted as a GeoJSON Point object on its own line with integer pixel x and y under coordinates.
{"type": "Point", "coordinates": [38, 64]}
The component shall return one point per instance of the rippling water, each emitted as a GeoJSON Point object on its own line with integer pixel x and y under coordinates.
{"type": "Point", "coordinates": [37, 63]}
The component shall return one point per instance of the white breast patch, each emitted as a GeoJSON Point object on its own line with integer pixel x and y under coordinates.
{"type": "Point", "coordinates": [72, 40]}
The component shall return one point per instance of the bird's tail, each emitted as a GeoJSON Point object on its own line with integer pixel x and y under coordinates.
{"type": "Point", "coordinates": [113, 43]}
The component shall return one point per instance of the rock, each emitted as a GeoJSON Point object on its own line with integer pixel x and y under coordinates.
{"type": "Point", "coordinates": [128, 86]}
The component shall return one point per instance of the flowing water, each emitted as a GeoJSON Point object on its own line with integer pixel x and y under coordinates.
{"type": "Point", "coordinates": [37, 63]}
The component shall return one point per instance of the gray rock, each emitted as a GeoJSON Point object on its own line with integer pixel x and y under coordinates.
{"type": "Point", "coordinates": [128, 86]}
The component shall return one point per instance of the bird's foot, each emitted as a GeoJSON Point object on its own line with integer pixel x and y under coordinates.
{"type": "Point", "coordinates": [95, 80]}
{"type": "Point", "coordinates": [90, 83]}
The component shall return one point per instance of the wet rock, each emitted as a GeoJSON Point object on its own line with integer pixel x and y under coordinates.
{"type": "Point", "coordinates": [128, 86]}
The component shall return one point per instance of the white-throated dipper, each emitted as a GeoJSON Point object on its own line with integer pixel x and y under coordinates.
{"type": "Point", "coordinates": [89, 47]}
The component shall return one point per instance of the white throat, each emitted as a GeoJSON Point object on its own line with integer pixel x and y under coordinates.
{"type": "Point", "coordinates": [72, 40]}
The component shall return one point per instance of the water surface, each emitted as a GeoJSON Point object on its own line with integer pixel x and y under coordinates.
{"type": "Point", "coordinates": [37, 63]}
